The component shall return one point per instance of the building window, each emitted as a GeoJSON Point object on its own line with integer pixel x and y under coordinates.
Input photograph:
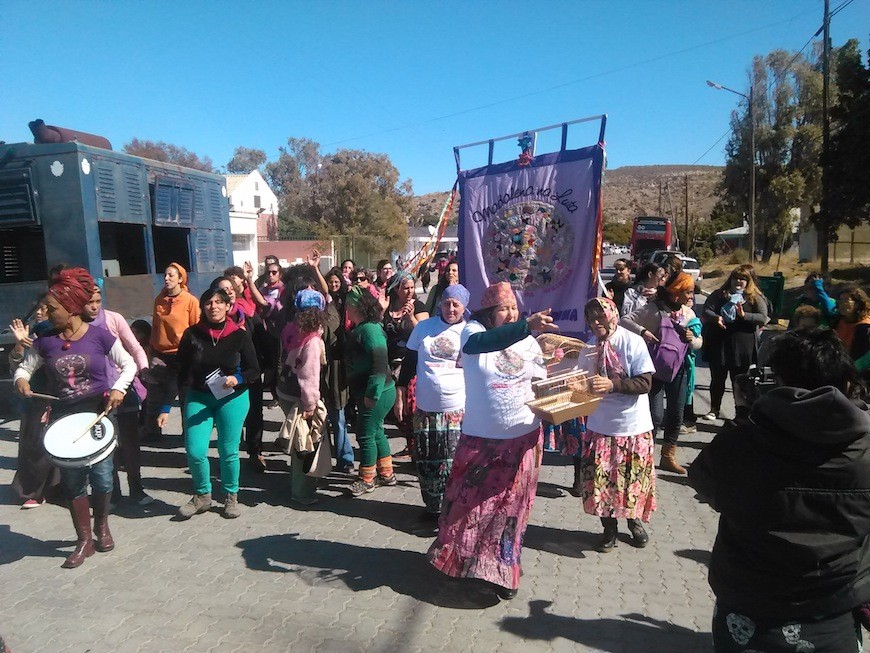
{"type": "Point", "coordinates": [256, 201]}
{"type": "Point", "coordinates": [256, 185]}
{"type": "Point", "coordinates": [241, 243]}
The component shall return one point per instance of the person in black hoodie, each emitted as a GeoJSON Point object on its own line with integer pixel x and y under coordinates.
{"type": "Point", "coordinates": [791, 564]}
{"type": "Point", "coordinates": [217, 362]}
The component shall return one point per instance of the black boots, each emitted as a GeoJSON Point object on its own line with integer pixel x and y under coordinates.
{"type": "Point", "coordinates": [639, 537]}
{"type": "Point", "coordinates": [577, 489]}
{"type": "Point", "coordinates": [80, 509]}
{"type": "Point", "coordinates": [609, 538]}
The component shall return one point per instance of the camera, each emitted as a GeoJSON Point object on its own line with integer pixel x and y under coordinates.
{"type": "Point", "coordinates": [750, 386]}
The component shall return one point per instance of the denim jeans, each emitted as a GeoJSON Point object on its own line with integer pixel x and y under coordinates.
{"type": "Point", "coordinates": [669, 417]}
{"type": "Point", "coordinates": [343, 449]}
{"type": "Point", "coordinates": [75, 479]}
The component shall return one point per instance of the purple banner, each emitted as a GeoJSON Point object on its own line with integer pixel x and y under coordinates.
{"type": "Point", "coordinates": [537, 227]}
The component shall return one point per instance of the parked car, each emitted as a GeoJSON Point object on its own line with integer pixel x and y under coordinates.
{"type": "Point", "coordinates": [690, 265]}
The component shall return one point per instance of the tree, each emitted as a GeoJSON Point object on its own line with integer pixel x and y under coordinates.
{"type": "Point", "coordinates": [168, 153]}
{"type": "Point", "coordinates": [787, 111]}
{"type": "Point", "coordinates": [246, 159]}
{"type": "Point", "coordinates": [618, 233]}
{"type": "Point", "coordinates": [848, 200]}
{"type": "Point", "coordinates": [350, 192]}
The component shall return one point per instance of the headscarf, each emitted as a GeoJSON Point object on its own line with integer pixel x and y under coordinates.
{"type": "Point", "coordinates": [609, 364]}
{"type": "Point", "coordinates": [498, 294]}
{"type": "Point", "coordinates": [680, 283]}
{"type": "Point", "coordinates": [460, 293]}
{"type": "Point", "coordinates": [308, 298]}
{"type": "Point", "coordinates": [354, 295]}
{"type": "Point", "coordinates": [72, 289]}
{"type": "Point", "coordinates": [398, 278]}
{"type": "Point", "coordinates": [182, 274]}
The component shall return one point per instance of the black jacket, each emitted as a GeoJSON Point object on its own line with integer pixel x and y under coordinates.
{"type": "Point", "coordinates": [199, 356]}
{"type": "Point", "coordinates": [793, 490]}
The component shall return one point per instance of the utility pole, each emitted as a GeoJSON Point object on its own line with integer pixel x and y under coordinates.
{"type": "Point", "coordinates": [688, 242]}
{"type": "Point", "coordinates": [826, 137]}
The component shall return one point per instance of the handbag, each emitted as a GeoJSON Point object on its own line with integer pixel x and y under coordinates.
{"type": "Point", "coordinates": [669, 353]}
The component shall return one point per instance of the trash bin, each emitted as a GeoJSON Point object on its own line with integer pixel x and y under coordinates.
{"type": "Point", "coordinates": [774, 290]}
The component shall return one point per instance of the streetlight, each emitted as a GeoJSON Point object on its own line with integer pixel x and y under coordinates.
{"type": "Point", "coordinates": [752, 162]}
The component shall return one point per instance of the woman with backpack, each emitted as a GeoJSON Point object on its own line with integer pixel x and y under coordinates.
{"type": "Point", "coordinates": [663, 324]}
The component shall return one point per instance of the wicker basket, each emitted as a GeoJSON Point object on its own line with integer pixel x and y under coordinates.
{"type": "Point", "coordinates": [563, 397]}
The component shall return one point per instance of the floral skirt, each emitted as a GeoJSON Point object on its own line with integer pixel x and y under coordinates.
{"type": "Point", "coordinates": [619, 477]}
{"type": "Point", "coordinates": [486, 508]}
{"type": "Point", "coordinates": [433, 446]}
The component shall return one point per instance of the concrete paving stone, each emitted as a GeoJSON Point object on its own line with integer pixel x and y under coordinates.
{"type": "Point", "coordinates": [208, 583]}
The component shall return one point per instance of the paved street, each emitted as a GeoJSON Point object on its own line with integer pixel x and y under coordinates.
{"type": "Point", "coordinates": [346, 574]}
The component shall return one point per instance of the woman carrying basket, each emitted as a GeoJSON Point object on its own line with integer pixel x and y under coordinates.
{"type": "Point", "coordinates": [618, 464]}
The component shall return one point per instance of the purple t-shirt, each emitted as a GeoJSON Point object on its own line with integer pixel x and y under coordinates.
{"type": "Point", "coordinates": [79, 371]}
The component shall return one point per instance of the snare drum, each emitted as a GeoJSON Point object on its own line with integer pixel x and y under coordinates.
{"type": "Point", "coordinates": [69, 445]}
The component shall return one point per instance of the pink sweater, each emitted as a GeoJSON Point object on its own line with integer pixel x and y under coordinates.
{"type": "Point", "coordinates": [118, 327]}
{"type": "Point", "coordinates": [305, 363]}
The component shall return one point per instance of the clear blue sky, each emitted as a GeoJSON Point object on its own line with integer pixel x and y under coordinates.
{"type": "Point", "coordinates": [411, 79]}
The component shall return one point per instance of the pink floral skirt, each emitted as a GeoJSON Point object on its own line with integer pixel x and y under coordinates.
{"type": "Point", "coordinates": [619, 475]}
{"type": "Point", "coordinates": [486, 508]}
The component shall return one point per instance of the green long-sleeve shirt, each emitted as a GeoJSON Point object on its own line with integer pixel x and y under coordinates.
{"type": "Point", "coordinates": [368, 368]}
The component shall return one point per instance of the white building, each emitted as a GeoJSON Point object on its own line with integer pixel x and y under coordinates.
{"type": "Point", "coordinates": [250, 200]}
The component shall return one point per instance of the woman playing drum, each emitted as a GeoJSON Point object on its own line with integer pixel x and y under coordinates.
{"type": "Point", "coordinates": [75, 358]}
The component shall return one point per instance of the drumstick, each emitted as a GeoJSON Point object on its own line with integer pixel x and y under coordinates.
{"type": "Point", "coordinates": [91, 425]}
{"type": "Point", "coordinates": [39, 395]}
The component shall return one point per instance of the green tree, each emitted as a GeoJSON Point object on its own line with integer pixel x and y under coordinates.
{"type": "Point", "coordinates": [618, 233]}
{"type": "Point", "coordinates": [787, 113]}
{"type": "Point", "coordinates": [849, 154]}
{"type": "Point", "coordinates": [168, 153]}
{"type": "Point", "coordinates": [350, 192]}
{"type": "Point", "coordinates": [246, 159]}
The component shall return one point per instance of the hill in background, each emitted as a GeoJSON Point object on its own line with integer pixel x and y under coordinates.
{"type": "Point", "coordinates": [629, 191]}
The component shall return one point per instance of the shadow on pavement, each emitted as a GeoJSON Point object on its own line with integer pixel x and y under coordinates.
{"type": "Point", "coordinates": [319, 562]}
{"type": "Point", "coordinates": [673, 478]}
{"type": "Point", "coordinates": [559, 541]}
{"type": "Point", "coordinates": [698, 555]}
{"type": "Point", "coordinates": [17, 546]}
{"type": "Point", "coordinates": [635, 632]}
{"type": "Point", "coordinates": [550, 490]}
{"type": "Point", "coordinates": [395, 516]}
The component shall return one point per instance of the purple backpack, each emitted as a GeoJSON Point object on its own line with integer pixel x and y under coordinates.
{"type": "Point", "coordinates": [669, 352]}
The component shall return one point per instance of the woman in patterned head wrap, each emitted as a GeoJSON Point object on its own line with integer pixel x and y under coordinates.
{"type": "Point", "coordinates": [617, 468]}
{"type": "Point", "coordinates": [439, 400]}
{"type": "Point", "coordinates": [76, 358]}
{"type": "Point", "coordinates": [492, 485]}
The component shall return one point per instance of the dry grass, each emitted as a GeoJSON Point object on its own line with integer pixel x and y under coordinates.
{"type": "Point", "coordinates": [716, 269]}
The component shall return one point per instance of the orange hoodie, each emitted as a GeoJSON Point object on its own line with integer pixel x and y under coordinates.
{"type": "Point", "coordinates": [173, 314]}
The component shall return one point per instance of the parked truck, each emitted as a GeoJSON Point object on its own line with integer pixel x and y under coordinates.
{"type": "Point", "coordinates": [122, 217]}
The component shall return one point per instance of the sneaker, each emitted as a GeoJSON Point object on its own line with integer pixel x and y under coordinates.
{"type": "Point", "coordinates": [231, 506]}
{"type": "Point", "coordinates": [386, 480]}
{"type": "Point", "coordinates": [685, 429]}
{"type": "Point", "coordinates": [710, 417]}
{"type": "Point", "coordinates": [140, 498]}
{"type": "Point", "coordinates": [32, 503]}
{"type": "Point", "coordinates": [198, 503]}
{"type": "Point", "coordinates": [360, 487]}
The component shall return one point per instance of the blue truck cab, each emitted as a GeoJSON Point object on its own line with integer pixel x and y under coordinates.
{"type": "Point", "coordinates": [122, 217]}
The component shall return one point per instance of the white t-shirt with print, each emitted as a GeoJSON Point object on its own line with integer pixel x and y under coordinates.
{"type": "Point", "coordinates": [440, 382]}
{"type": "Point", "coordinates": [620, 414]}
{"type": "Point", "coordinates": [497, 387]}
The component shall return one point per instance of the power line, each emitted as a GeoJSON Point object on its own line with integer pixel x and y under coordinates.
{"type": "Point", "coordinates": [718, 140]}
{"type": "Point", "coordinates": [569, 83]}
{"type": "Point", "coordinates": [840, 8]}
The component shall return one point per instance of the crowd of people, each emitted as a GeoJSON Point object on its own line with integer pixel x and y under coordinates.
{"type": "Point", "coordinates": [352, 349]}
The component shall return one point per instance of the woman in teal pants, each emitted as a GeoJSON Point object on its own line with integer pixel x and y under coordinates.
{"type": "Point", "coordinates": [371, 385]}
{"type": "Point", "coordinates": [216, 363]}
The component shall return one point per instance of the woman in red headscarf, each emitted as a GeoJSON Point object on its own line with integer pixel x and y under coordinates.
{"type": "Point", "coordinates": [76, 357]}
{"type": "Point", "coordinates": [494, 478]}
{"type": "Point", "coordinates": [175, 309]}
{"type": "Point", "coordinates": [664, 324]}
{"type": "Point", "coordinates": [617, 468]}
